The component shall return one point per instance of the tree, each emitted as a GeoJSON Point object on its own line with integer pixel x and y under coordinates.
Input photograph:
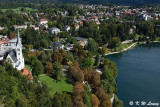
{"type": "Point", "coordinates": [20, 92]}
{"type": "Point", "coordinates": [12, 35]}
{"type": "Point", "coordinates": [118, 103]}
{"type": "Point", "coordinates": [48, 67]}
{"type": "Point", "coordinates": [87, 96]}
{"type": "Point", "coordinates": [97, 60]}
{"type": "Point", "coordinates": [115, 42]}
{"type": "Point", "coordinates": [67, 101]}
{"type": "Point", "coordinates": [103, 97]}
{"type": "Point", "coordinates": [77, 97]}
{"type": "Point", "coordinates": [109, 86]}
{"type": "Point", "coordinates": [93, 78]}
{"type": "Point", "coordinates": [92, 46]}
{"type": "Point", "coordinates": [104, 49]}
{"type": "Point", "coordinates": [44, 43]}
{"type": "Point", "coordinates": [78, 50]}
{"type": "Point", "coordinates": [59, 56]}
{"type": "Point", "coordinates": [38, 68]}
{"type": "Point", "coordinates": [87, 62]}
{"type": "Point", "coordinates": [57, 100]}
{"type": "Point", "coordinates": [75, 72]}
{"type": "Point", "coordinates": [57, 73]}
{"type": "Point", "coordinates": [95, 101]}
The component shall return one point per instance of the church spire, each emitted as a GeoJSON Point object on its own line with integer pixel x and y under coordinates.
{"type": "Point", "coordinates": [18, 39]}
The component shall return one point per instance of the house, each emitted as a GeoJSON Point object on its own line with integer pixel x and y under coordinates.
{"type": "Point", "coordinates": [34, 27]}
{"type": "Point", "coordinates": [27, 74]}
{"type": "Point", "coordinates": [43, 23]}
{"type": "Point", "coordinates": [19, 27]}
{"type": "Point", "coordinates": [67, 28]}
{"type": "Point", "coordinates": [69, 46]}
{"type": "Point", "coordinates": [76, 27]}
{"type": "Point", "coordinates": [1, 28]}
{"type": "Point", "coordinates": [145, 17]}
{"type": "Point", "coordinates": [54, 30]}
{"type": "Point", "coordinates": [82, 41]}
{"type": "Point", "coordinates": [57, 45]}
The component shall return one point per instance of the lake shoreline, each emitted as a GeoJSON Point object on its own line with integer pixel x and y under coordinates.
{"type": "Point", "coordinates": [130, 47]}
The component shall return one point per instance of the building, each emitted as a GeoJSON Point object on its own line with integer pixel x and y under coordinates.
{"type": "Point", "coordinates": [54, 30]}
{"type": "Point", "coordinates": [67, 28]}
{"type": "Point", "coordinates": [27, 74]}
{"type": "Point", "coordinates": [57, 45]}
{"type": "Point", "coordinates": [12, 52]}
{"type": "Point", "coordinates": [1, 28]}
{"type": "Point", "coordinates": [43, 23]}
{"type": "Point", "coordinates": [82, 41]}
{"type": "Point", "coordinates": [69, 46]}
{"type": "Point", "coordinates": [19, 27]}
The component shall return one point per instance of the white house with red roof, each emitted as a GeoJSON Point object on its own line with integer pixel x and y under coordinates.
{"type": "Point", "coordinates": [43, 23]}
{"type": "Point", "coordinates": [19, 27]}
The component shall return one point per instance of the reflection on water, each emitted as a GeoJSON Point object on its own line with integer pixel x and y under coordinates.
{"type": "Point", "coordinates": [138, 75]}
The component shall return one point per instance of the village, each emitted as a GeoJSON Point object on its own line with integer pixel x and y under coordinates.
{"type": "Point", "coordinates": [66, 45]}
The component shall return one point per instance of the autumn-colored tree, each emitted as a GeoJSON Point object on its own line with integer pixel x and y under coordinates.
{"type": "Point", "coordinates": [95, 101]}
{"type": "Point", "coordinates": [59, 56]}
{"type": "Point", "coordinates": [48, 67]}
{"type": "Point", "coordinates": [78, 50]}
{"type": "Point", "coordinates": [12, 35]}
{"type": "Point", "coordinates": [104, 49]}
{"type": "Point", "coordinates": [106, 103]}
{"type": "Point", "coordinates": [103, 97]}
{"type": "Point", "coordinates": [92, 77]}
{"type": "Point", "coordinates": [77, 97]}
{"type": "Point", "coordinates": [75, 72]}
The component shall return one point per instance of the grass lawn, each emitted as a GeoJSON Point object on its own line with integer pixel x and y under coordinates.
{"type": "Point", "coordinates": [28, 67]}
{"type": "Point", "coordinates": [137, 36]}
{"type": "Point", "coordinates": [120, 48]}
{"type": "Point", "coordinates": [54, 86]}
{"type": "Point", "coordinates": [18, 10]}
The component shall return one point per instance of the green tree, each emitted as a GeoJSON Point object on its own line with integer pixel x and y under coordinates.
{"type": "Point", "coordinates": [92, 46]}
{"type": "Point", "coordinates": [115, 42]}
{"type": "Point", "coordinates": [87, 62]}
{"type": "Point", "coordinates": [38, 68]}
{"type": "Point", "coordinates": [97, 60]}
{"type": "Point", "coordinates": [57, 72]}
{"type": "Point", "coordinates": [87, 96]}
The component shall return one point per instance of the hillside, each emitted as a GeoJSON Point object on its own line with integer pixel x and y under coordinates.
{"type": "Point", "coordinates": [121, 2]}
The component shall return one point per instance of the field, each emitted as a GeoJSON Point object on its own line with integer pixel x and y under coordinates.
{"type": "Point", "coordinates": [55, 86]}
{"type": "Point", "coordinates": [19, 10]}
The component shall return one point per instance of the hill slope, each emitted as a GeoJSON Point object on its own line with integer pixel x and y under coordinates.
{"type": "Point", "coordinates": [122, 2]}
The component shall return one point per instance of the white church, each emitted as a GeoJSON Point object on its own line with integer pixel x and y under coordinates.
{"type": "Point", "coordinates": [12, 52]}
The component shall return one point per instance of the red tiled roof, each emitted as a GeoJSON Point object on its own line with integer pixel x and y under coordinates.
{"type": "Point", "coordinates": [4, 42]}
{"type": "Point", "coordinates": [118, 17]}
{"type": "Point", "coordinates": [43, 20]}
{"type": "Point", "coordinates": [128, 13]}
{"type": "Point", "coordinates": [27, 73]}
{"type": "Point", "coordinates": [94, 17]}
{"type": "Point", "coordinates": [18, 25]}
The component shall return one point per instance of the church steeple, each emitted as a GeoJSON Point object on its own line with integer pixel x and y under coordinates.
{"type": "Point", "coordinates": [18, 39]}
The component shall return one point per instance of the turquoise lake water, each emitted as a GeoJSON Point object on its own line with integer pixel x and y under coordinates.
{"type": "Point", "coordinates": [139, 74]}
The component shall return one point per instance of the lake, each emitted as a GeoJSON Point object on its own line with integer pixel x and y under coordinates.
{"type": "Point", "coordinates": [139, 74]}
